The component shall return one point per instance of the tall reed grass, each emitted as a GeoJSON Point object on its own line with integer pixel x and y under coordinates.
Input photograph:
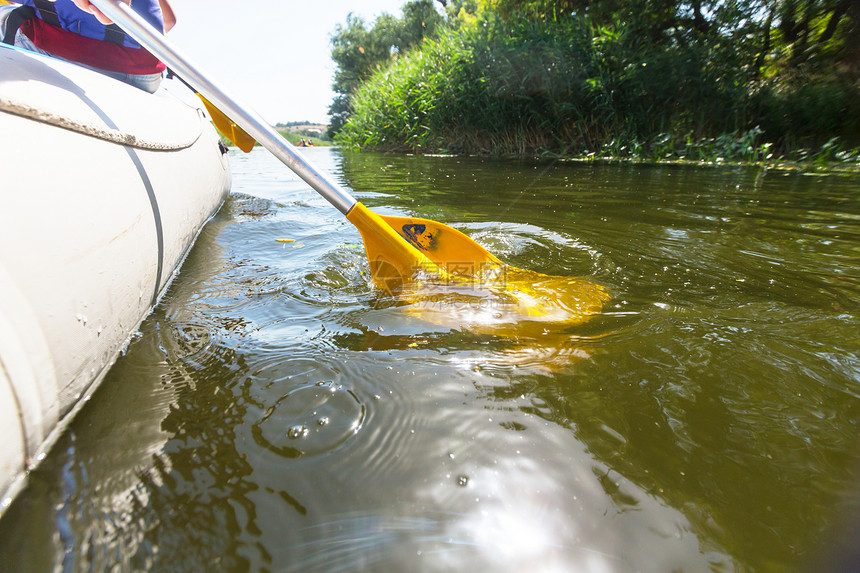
{"type": "Point", "coordinates": [568, 87]}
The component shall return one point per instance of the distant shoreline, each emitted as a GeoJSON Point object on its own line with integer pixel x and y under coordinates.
{"type": "Point", "coordinates": [312, 132]}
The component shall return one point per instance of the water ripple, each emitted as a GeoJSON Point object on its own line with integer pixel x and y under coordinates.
{"type": "Point", "coordinates": [310, 420]}
{"type": "Point", "coordinates": [279, 413]}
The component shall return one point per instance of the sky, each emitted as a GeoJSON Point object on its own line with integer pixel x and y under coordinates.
{"type": "Point", "coordinates": [273, 56]}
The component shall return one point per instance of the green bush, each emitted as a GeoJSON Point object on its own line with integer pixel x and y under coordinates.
{"type": "Point", "coordinates": [564, 85]}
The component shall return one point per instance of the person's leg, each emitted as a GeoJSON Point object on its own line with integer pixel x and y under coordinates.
{"type": "Point", "coordinates": [11, 17]}
{"type": "Point", "coordinates": [5, 10]}
{"type": "Point", "coordinates": [147, 82]}
{"type": "Point", "coordinates": [22, 41]}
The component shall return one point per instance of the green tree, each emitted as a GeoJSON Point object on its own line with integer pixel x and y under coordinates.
{"type": "Point", "coordinates": [420, 20]}
{"type": "Point", "coordinates": [359, 51]}
{"type": "Point", "coordinates": [818, 32]}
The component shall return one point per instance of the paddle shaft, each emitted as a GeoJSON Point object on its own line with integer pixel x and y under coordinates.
{"type": "Point", "coordinates": [155, 42]}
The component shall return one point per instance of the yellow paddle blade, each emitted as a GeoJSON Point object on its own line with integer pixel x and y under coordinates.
{"type": "Point", "coordinates": [446, 278]}
{"type": "Point", "coordinates": [452, 251]}
{"type": "Point", "coordinates": [226, 126]}
{"type": "Point", "coordinates": [393, 260]}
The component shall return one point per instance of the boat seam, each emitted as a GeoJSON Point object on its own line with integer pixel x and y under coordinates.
{"type": "Point", "coordinates": [111, 135]}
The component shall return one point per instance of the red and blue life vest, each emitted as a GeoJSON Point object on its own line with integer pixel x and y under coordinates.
{"type": "Point", "coordinates": [68, 32]}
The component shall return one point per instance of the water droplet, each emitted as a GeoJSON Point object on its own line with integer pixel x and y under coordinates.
{"type": "Point", "coordinates": [320, 416]}
{"type": "Point", "coordinates": [462, 480]}
{"type": "Point", "coordinates": [296, 432]}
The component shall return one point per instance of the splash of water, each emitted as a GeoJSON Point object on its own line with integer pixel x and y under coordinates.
{"type": "Point", "coordinates": [503, 300]}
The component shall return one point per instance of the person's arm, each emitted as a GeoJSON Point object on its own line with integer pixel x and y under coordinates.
{"type": "Point", "coordinates": [167, 14]}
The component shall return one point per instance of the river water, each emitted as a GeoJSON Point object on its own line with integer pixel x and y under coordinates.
{"type": "Point", "coordinates": [277, 412]}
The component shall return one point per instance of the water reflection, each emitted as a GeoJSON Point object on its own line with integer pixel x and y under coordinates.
{"type": "Point", "coordinates": [510, 302]}
{"type": "Point", "coordinates": [279, 413]}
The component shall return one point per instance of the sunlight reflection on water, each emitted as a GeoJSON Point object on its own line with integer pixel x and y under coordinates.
{"type": "Point", "coordinates": [279, 413]}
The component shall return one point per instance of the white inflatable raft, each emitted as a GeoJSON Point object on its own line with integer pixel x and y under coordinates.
{"type": "Point", "coordinates": [104, 190]}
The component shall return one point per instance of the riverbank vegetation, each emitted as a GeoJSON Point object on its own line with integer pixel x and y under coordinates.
{"type": "Point", "coordinates": [704, 80]}
{"type": "Point", "coordinates": [314, 137]}
{"type": "Point", "coordinates": [295, 137]}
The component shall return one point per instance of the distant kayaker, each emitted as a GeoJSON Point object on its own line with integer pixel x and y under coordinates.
{"type": "Point", "coordinates": [77, 31]}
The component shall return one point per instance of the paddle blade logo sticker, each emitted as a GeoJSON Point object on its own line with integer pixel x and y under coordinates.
{"type": "Point", "coordinates": [419, 236]}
